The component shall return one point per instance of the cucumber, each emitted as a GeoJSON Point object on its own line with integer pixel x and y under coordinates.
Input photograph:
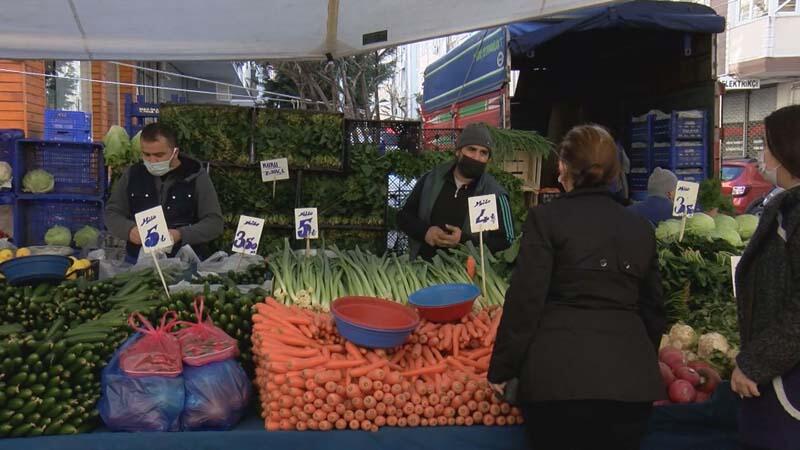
{"type": "Point", "coordinates": [31, 406]}
{"type": "Point", "coordinates": [18, 379]}
{"type": "Point", "coordinates": [21, 430]}
{"type": "Point", "coordinates": [17, 419]}
{"type": "Point", "coordinates": [6, 429]}
{"type": "Point", "coordinates": [15, 404]}
{"type": "Point", "coordinates": [6, 415]}
{"type": "Point", "coordinates": [38, 389]}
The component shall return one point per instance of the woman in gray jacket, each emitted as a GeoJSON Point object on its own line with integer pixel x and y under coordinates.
{"type": "Point", "coordinates": [767, 374]}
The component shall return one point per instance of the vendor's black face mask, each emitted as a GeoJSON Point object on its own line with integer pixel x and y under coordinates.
{"type": "Point", "coordinates": [470, 168]}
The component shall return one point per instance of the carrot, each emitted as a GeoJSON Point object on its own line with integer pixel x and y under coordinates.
{"type": "Point", "coordinates": [370, 401]}
{"type": "Point", "coordinates": [471, 329]}
{"type": "Point", "coordinates": [365, 384]}
{"type": "Point", "coordinates": [325, 376]}
{"type": "Point", "coordinates": [273, 425]}
{"type": "Point", "coordinates": [511, 420]}
{"type": "Point", "coordinates": [354, 424]}
{"type": "Point", "coordinates": [423, 339]}
{"type": "Point", "coordinates": [335, 348]}
{"type": "Point", "coordinates": [487, 340]}
{"type": "Point", "coordinates": [500, 421]}
{"type": "Point", "coordinates": [331, 386]}
{"type": "Point", "coordinates": [361, 371]}
{"type": "Point", "coordinates": [460, 421]}
{"type": "Point", "coordinates": [371, 414]}
{"type": "Point", "coordinates": [392, 421]}
{"type": "Point", "coordinates": [353, 391]}
{"type": "Point", "coordinates": [441, 421]}
{"type": "Point", "coordinates": [505, 408]}
{"type": "Point", "coordinates": [438, 368]}
{"type": "Point", "coordinates": [402, 422]}
{"type": "Point", "coordinates": [377, 375]}
{"type": "Point", "coordinates": [377, 385]}
{"type": "Point", "coordinates": [352, 350]}
{"type": "Point", "coordinates": [299, 320]}
{"type": "Point", "coordinates": [333, 399]}
{"type": "Point", "coordinates": [392, 378]}
{"type": "Point", "coordinates": [292, 340]}
{"type": "Point", "coordinates": [299, 364]}
{"type": "Point", "coordinates": [471, 267]}
{"type": "Point", "coordinates": [428, 356]}
{"type": "Point", "coordinates": [340, 424]}
{"type": "Point", "coordinates": [488, 420]}
{"type": "Point", "coordinates": [398, 356]}
{"type": "Point", "coordinates": [477, 416]}
{"type": "Point", "coordinates": [479, 353]}
{"type": "Point", "coordinates": [296, 382]}
{"type": "Point", "coordinates": [373, 357]}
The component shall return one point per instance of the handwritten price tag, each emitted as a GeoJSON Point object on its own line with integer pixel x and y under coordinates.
{"type": "Point", "coordinates": [685, 199]}
{"type": "Point", "coordinates": [483, 213]}
{"type": "Point", "coordinates": [153, 229]}
{"type": "Point", "coordinates": [305, 223]}
{"type": "Point", "coordinates": [248, 235]}
{"type": "Point", "coordinates": [275, 169]}
{"type": "Point", "coordinates": [734, 263]}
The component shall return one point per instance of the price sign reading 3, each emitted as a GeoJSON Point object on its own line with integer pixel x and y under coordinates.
{"type": "Point", "coordinates": [685, 201]}
{"type": "Point", "coordinates": [483, 213]}
{"type": "Point", "coordinates": [248, 235]}
{"type": "Point", "coordinates": [153, 229]}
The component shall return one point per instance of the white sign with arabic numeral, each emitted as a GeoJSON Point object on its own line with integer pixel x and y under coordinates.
{"type": "Point", "coordinates": [153, 229]}
{"type": "Point", "coordinates": [248, 235]}
{"type": "Point", "coordinates": [275, 169]}
{"type": "Point", "coordinates": [305, 223]}
{"type": "Point", "coordinates": [685, 199]}
{"type": "Point", "coordinates": [483, 213]}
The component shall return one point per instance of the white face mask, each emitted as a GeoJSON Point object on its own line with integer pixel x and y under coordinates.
{"type": "Point", "coordinates": [771, 175]}
{"type": "Point", "coordinates": [160, 168]}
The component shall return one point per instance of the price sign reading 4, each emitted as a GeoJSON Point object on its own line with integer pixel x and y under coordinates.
{"type": "Point", "coordinates": [275, 169]}
{"type": "Point", "coordinates": [685, 199]}
{"type": "Point", "coordinates": [248, 235]}
{"type": "Point", "coordinates": [305, 223]}
{"type": "Point", "coordinates": [153, 229]}
{"type": "Point", "coordinates": [483, 213]}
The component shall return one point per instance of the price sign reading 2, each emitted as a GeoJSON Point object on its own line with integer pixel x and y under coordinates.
{"type": "Point", "coordinates": [248, 235]}
{"type": "Point", "coordinates": [153, 230]}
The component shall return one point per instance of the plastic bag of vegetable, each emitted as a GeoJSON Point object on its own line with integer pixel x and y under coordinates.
{"type": "Point", "coordinates": [38, 181]}
{"type": "Point", "coordinates": [203, 343]}
{"type": "Point", "coordinates": [217, 395]}
{"type": "Point", "coordinates": [117, 147]}
{"type": "Point", "coordinates": [87, 237]}
{"type": "Point", "coordinates": [158, 353]}
{"type": "Point", "coordinates": [58, 235]}
{"type": "Point", "coordinates": [139, 403]}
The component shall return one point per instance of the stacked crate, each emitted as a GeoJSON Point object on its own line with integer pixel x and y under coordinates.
{"type": "Point", "coordinates": [8, 139]}
{"type": "Point", "coordinates": [67, 126]}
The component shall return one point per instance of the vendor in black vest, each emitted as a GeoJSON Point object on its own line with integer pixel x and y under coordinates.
{"type": "Point", "coordinates": [178, 183]}
{"type": "Point", "coordinates": [436, 214]}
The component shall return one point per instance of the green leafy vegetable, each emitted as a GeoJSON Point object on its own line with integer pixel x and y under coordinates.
{"type": "Point", "coordinates": [58, 235]}
{"type": "Point", "coordinates": [38, 181]}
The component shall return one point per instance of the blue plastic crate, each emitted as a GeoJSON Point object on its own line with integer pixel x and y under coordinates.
{"type": "Point", "coordinates": [33, 218]}
{"type": "Point", "coordinates": [641, 128]}
{"type": "Point", "coordinates": [696, 175]}
{"type": "Point", "coordinates": [78, 168]}
{"type": "Point", "coordinates": [68, 135]}
{"type": "Point", "coordinates": [639, 155]}
{"type": "Point", "coordinates": [662, 127]}
{"type": "Point", "coordinates": [638, 196]}
{"type": "Point", "coordinates": [689, 125]}
{"type": "Point", "coordinates": [689, 154]}
{"type": "Point", "coordinates": [661, 156]}
{"type": "Point", "coordinates": [638, 181]}
{"type": "Point", "coordinates": [67, 120]}
{"type": "Point", "coordinates": [7, 139]}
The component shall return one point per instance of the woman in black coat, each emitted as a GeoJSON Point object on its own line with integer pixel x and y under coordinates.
{"type": "Point", "coordinates": [767, 373]}
{"type": "Point", "coordinates": [584, 315]}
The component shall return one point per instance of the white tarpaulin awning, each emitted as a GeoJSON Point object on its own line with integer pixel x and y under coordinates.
{"type": "Point", "coordinates": [244, 29]}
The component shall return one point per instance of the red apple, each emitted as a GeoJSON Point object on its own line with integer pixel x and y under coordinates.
{"type": "Point", "coordinates": [688, 374]}
{"type": "Point", "coordinates": [666, 374]}
{"type": "Point", "coordinates": [709, 380]}
{"type": "Point", "coordinates": [681, 391]}
{"type": "Point", "coordinates": [672, 357]}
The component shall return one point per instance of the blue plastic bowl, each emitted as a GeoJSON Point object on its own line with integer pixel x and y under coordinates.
{"type": "Point", "coordinates": [373, 322]}
{"type": "Point", "coordinates": [35, 269]}
{"type": "Point", "coordinates": [444, 302]}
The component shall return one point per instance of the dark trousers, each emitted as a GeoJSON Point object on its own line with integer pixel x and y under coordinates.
{"type": "Point", "coordinates": [586, 424]}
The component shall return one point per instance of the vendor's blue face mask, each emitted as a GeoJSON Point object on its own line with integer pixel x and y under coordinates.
{"type": "Point", "coordinates": [160, 168]}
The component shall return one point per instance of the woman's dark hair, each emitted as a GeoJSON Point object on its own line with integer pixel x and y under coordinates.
{"type": "Point", "coordinates": [783, 137]}
{"type": "Point", "coordinates": [154, 131]}
{"type": "Point", "coordinates": [590, 155]}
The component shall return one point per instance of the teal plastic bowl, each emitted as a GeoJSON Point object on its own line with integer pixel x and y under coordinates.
{"type": "Point", "coordinates": [35, 269]}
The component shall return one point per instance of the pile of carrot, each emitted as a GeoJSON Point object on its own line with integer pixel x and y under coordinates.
{"type": "Point", "coordinates": [310, 378]}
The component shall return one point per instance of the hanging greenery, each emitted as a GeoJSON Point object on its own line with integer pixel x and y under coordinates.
{"type": "Point", "coordinates": [508, 142]}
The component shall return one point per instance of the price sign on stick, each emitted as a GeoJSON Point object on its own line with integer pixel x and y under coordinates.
{"type": "Point", "coordinates": [734, 264]}
{"type": "Point", "coordinates": [685, 202]}
{"type": "Point", "coordinates": [248, 235]}
{"type": "Point", "coordinates": [274, 170]}
{"type": "Point", "coordinates": [154, 233]}
{"type": "Point", "coordinates": [483, 217]}
{"type": "Point", "coordinates": [305, 226]}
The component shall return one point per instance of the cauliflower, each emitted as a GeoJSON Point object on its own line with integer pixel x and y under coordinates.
{"type": "Point", "coordinates": [682, 337]}
{"type": "Point", "coordinates": [665, 342]}
{"type": "Point", "coordinates": [732, 353]}
{"type": "Point", "coordinates": [690, 356]}
{"type": "Point", "coordinates": [712, 342]}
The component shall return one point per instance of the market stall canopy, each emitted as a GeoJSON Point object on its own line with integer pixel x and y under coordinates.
{"type": "Point", "coordinates": [476, 67]}
{"type": "Point", "coordinates": [244, 29]}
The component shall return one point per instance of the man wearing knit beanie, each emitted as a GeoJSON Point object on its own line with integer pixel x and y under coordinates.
{"type": "Point", "coordinates": [436, 214]}
{"type": "Point", "coordinates": [660, 192]}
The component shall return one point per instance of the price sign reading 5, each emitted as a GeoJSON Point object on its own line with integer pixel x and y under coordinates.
{"type": "Point", "coordinates": [153, 230]}
{"type": "Point", "coordinates": [685, 201]}
{"type": "Point", "coordinates": [483, 213]}
{"type": "Point", "coordinates": [248, 235]}
{"type": "Point", "coordinates": [305, 223]}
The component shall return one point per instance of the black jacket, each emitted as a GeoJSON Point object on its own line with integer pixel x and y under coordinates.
{"type": "Point", "coordinates": [584, 314]}
{"type": "Point", "coordinates": [768, 293]}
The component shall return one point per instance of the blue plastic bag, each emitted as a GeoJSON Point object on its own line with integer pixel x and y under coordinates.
{"type": "Point", "coordinates": [217, 395]}
{"type": "Point", "coordinates": [141, 403]}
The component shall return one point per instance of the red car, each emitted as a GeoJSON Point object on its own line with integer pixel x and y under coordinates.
{"type": "Point", "coordinates": [742, 181]}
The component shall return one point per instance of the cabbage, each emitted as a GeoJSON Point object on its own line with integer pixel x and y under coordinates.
{"type": "Point", "coordinates": [700, 224]}
{"type": "Point", "coordinates": [136, 147]}
{"type": "Point", "coordinates": [668, 229]}
{"type": "Point", "coordinates": [724, 222]}
{"type": "Point", "coordinates": [730, 236]}
{"type": "Point", "coordinates": [5, 172]}
{"type": "Point", "coordinates": [117, 147]}
{"type": "Point", "coordinates": [58, 235]}
{"type": "Point", "coordinates": [87, 237]}
{"type": "Point", "coordinates": [38, 181]}
{"type": "Point", "coordinates": [747, 225]}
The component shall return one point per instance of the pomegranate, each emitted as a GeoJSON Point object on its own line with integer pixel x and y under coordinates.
{"type": "Point", "coordinates": [666, 374]}
{"type": "Point", "coordinates": [709, 380]}
{"type": "Point", "coordinates": [688, 374]}
{"type": "Point", "coordinates": [681, 391]}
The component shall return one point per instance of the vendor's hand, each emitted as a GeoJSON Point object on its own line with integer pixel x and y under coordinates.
{"type": "Point", "coordinates": [176, 235]}
{"type": "Point", "coordinates": [134, 237]}
{"type": "Point", "coordinates": [745, 387]}
{"type": "Point", "coordinates": [498, 388]}
{"type": "Point", "coordinates": [435, 237]}
{"type": "Point", "coordinates": [453, 236]}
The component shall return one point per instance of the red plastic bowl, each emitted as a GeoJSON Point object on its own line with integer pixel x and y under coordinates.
{"type": "Point", "coordinates": [375, 313]}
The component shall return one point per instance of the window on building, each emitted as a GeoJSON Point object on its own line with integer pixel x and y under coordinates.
{"type": "Point", "coordinates": [752, 9]}
{"type": "Point", "coordinates": [787, 6]}
{"type": "Point", "coordinates": [62, 87]}
{"type": "Point", "coordinates": [148, 78]}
